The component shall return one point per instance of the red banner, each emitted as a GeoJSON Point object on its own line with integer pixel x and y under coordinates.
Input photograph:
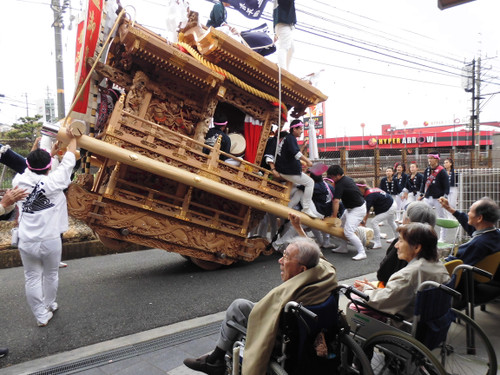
{"type": "Point", "coordinates": [86, 42]}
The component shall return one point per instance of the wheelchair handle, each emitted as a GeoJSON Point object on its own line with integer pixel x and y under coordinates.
{"type": "Point", "coordinates": [299, 309]}
{"type": "Point", "coordinates": [444, 288]}
{"type": "Point", "coordinates": [348, 289]}
{"type": "Point", "coordinates": [450, 291]}
{"type": "Point", "coordinates": [467, 267]}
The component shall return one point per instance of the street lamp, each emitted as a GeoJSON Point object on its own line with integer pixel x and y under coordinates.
{"type": "Point", "coordinates": [362, 135]}
{"type": "Point", "coordinates": [404, 130]}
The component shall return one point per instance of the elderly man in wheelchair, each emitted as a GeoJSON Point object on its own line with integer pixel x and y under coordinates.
{"type": "Point", "coordinates": [409, 327]}
{"type": "Point", "coordinates": [307, 278]}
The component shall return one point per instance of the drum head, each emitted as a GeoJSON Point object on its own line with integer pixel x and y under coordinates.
{"type": "Point", "coordinates": [238, 144]}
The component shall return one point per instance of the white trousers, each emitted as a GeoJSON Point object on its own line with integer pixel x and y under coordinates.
{"type": "Point", "coordinates": [453, 198]}
{"type": "Point", "coordinates": [284, 44]}
{"type": "Point", "coordinates": [440, 212]}
{"type": "Point", "coordinates": [268, 222]}
{"type": "Point", "coordinates": [41, 274]}
{"type": "Point", "coordinates": [351, 219]}
{"type": "Point", "coordinates": [308, 183]}
{"type": "Point", "coordinates": [238, 311]}
{"type": "Point", "coordinates": [296, 196]}
{"type": "Point", "coordinates": [411, 198]}
{"type": "Point", "coordinates": [400, 206]}
{"type": "Point", "coordinates": [288, 233]}
{"type": "Point", "coordinates": [388, 216]}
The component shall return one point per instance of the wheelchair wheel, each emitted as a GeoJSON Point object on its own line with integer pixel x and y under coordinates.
{"type": "Point", "coordinates": [461, 356]}
{"type": "Point", "coordinates": [394, 352]}
{"type": "Point", "coordinates": [353, 358]}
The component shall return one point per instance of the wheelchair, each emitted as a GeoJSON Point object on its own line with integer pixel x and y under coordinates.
{"type": "Point", "coordinates": [473, 352]}
{"type": "Point", "coordinates": [311, 340]}
{"type": "Point", "coordinates": [437, 341]}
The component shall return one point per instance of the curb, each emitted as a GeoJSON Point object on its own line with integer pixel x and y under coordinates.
{"type": "Point", "coordinates": [10, 257]}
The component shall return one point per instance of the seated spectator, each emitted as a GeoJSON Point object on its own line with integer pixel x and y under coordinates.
{"type": "Point", "coordinates": [417, 245]}
{"type": "Point", "coordinates": [306, 279]}
{"type": "Point", "coordinates": [416, 212]}
{"type": "Point", "coordinates": [479, 223]}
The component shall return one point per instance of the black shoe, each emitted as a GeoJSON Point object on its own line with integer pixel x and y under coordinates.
{"type": "Point", "coordinates": [201, 364]}
{"type": "Point", "coordinates": [3, 352]}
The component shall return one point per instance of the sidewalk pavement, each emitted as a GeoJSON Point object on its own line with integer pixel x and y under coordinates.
{"type": "Point", "coordinates": [161, 351]}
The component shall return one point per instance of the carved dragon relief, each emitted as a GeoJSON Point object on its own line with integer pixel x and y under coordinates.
{"type": "Point", "coordinates": [170, 115]}
{"type": "Point", "coordinates": [160, 231]}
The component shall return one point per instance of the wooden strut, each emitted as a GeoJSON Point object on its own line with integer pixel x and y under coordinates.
{"type": "Point", "coordinates": [177, 174]}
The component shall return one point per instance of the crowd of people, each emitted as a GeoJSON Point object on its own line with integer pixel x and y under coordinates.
{"type": "Point", "coordinates": [337, 195]}
{"type": "Point", "coordinates": [309, 278]}
{"type": "Point", "coordinates": [411, 258]}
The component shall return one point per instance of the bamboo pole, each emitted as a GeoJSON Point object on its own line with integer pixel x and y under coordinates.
{"type": "Point", "coordinates": [183, 176]}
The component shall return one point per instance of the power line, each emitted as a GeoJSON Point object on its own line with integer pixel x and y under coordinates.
{"type": "Point", "coordinates": [375, 59]}
{"type": "Point", "coordinates": [16, 100]}
{"type": "Point", "coordinates": [378, 74]}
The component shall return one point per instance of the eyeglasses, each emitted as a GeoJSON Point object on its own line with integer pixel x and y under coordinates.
{"type": "Point", "coordinates": [287, 257]}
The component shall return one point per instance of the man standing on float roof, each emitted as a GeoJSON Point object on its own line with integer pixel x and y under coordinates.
{"type": "Point", "coordinates": [289, 166]}
{"type": "Point", "coordinates": [284, 20]}
{"type": "Point", "coordinates": [218, 15]}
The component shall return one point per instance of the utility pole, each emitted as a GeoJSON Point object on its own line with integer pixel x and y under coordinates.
{"type": "Point", "coordinates": [58, 26]}
{"type": "Point", "coordinates": [27, 110]}
{"type": "Point", "coordinates": [478, 102]}
{"type": "Point", "coordinates": [472, 90]}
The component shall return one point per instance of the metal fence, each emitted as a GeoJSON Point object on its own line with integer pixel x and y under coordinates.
{"type": "Point", "coordinates": [475, 184]}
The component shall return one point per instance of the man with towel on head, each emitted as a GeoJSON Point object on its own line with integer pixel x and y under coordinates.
{"type": "Point", "coordinates": [288, 165]}
{"type": "Point", "coordinates": [220, 124]}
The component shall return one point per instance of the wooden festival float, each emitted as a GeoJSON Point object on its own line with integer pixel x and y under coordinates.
{"type": "Point", "coordinates": [155, 187]}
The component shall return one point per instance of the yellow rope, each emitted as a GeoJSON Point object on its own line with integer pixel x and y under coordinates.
{"type": "Point", "coordinates": [238, 82]}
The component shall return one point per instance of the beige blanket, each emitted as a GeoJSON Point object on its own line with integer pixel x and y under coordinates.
{"type": "Point", "coordinates": [310, 287]}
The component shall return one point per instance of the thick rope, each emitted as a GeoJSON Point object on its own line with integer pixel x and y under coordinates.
{"type": "Point", "coordinates": [278, 131]}
{"type": "Point", "coordinates": [238, 82]}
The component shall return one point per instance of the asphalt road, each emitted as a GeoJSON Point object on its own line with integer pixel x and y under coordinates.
{"type": "Point", "coordinates": [111, 296]}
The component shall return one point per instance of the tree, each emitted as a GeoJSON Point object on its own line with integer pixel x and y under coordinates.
{"type": "Point", "coordinates": [28, 128]}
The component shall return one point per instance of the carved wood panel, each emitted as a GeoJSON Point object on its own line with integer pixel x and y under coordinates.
{"type": "Point", "coordinates": [160, 231]}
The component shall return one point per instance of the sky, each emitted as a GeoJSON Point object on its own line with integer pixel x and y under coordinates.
{"type": "Point", "coordinates": [378, 61]}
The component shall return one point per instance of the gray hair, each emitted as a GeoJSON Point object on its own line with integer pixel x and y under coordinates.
{"type": "Point", "coordinates": [420, 212]}
{"type": "Point", "coordinates": [488, 208]}
{"type": "Point", "coordinates": [309, 251]}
